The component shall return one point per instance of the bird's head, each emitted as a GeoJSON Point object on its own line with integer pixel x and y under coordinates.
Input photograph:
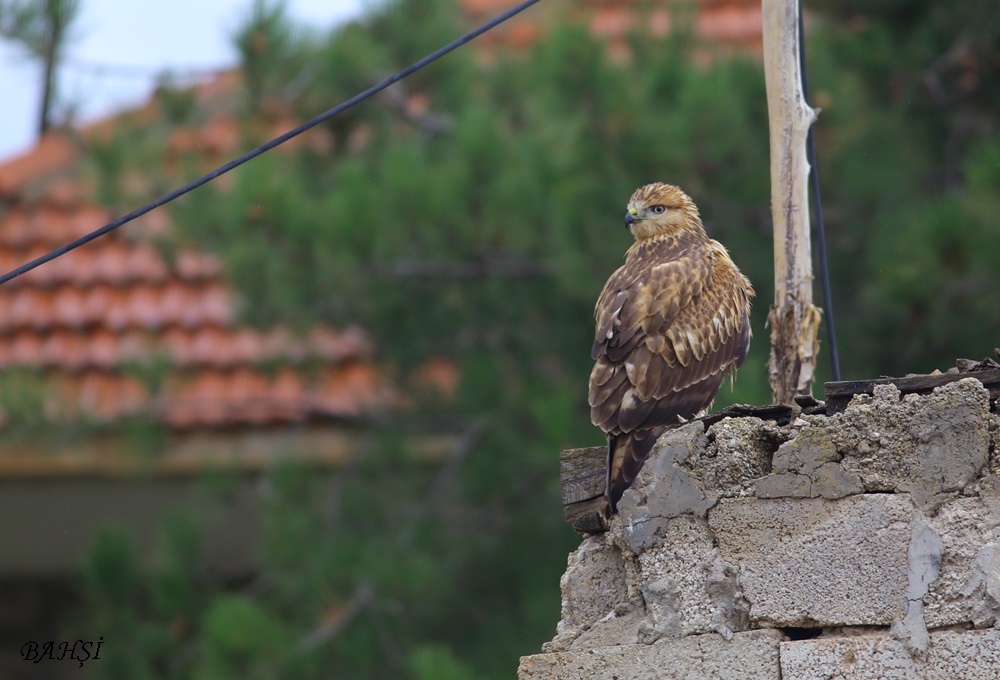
{"type": "Point", "coordinates": [661, 210]}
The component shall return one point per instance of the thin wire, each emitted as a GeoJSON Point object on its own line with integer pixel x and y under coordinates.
{"type": "Point", "coordinates": [824, 270]}
{"type": "Point", "coordinates": [263, 148]}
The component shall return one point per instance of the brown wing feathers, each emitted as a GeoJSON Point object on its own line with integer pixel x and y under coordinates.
{"type": "Point", "coordinates": [672, 353]}
{"type": "Point", "coordinates": [671, 324]}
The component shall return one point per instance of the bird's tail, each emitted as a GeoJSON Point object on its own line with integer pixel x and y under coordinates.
{"type": "Point", "coordinates": [626, 454]}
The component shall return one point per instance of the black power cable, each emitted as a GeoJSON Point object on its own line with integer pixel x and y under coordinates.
{"type": "Point", "coordinates": [263, 148]}
{"type": "Point", "coordinates": [818, 207]}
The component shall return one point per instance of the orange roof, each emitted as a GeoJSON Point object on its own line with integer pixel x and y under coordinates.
{"type": "Point", "coordinates": [86, 323]}
{"type": "Point", "coordinates": [723, 23]}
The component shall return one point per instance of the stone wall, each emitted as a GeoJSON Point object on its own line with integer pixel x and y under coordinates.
{"type": "Point", "coordinates": [861, 545]}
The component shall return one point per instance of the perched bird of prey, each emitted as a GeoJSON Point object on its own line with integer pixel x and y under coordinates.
{"type": "Point", "coordinates": [672, 323]}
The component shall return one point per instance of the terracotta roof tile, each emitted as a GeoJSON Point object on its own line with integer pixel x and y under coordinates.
{"type": "Point", "coordinates": [611, 21]}
{"type": "Point", "coordinates": [182, 141]}
{"type": "Point", "coordinates": [144, 264]}
{"type": "Point", "coordinates": [194, 265]}
{"type": "Point", "coordinates": [736, 22]}
{"type": "Point", "coordinates": [142, 303]}
{"type": "Point", "coordinates": [83, 332]}
{"type": "Point", "coordinates": [105, 396]}
{"type": "Point", "coordinates": [104, 349]}
{"type": "Point", "coordinates": [25, 350]}
{"type": "Point", "coordinates": [26, 309]}
{"type": "Point", "coordinates": [246, 395]}
{"type": "Point", "coordinates": [522, 33]}
{"type": "Point", "coordinates": [660, 22]}
{"type": "Point", "coordinates": [727, 22]}
{"type": "Point", "coordinates": [219, 135]}
{"type": "Point", "coordinates": [217, 86]}
{"type": "Point", "coordinates": [485, 6]}
{"type": "Point", "coordinates": [16, 230]}
{"type": "Point", "coordinates": [334, 346]}
{"type": "Point", "coordinates": [439, 377]}
{"type": "Point", "coordinates": [348, 390]}
{"type": "Point", "coordinates": [205, 347]}
{"type": "Point", "coordinates": [65, 192]}
{"type": "Point", "coordinates": [104, 304]}
{"type": "Point", "coordinates": [84, 320]}
{"type": "Point", "coordinates": [53, 152]}
{"type": "Point", "coordinates": [67, 309]}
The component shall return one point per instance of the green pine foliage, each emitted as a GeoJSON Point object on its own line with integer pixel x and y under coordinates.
{"type": "Point", "coordinates": [481, 231]}
{"type": "Point", "coordinates": [907, 141]}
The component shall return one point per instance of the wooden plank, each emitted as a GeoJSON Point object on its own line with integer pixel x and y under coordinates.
{"type": "Point", "coordinates": [585, 517]}
{"type": "Point", "coordinates": [839, 394]}
{"type": "Point", "coordinates": [779, 413]}
{"type": "Point", "coordinates": [583, 473]}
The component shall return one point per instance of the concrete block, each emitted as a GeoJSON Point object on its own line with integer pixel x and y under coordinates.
{"type": "Point", "coordinates": [663, 489]}
{"type": "Point", "coordinates": [994, 433]}
{"type": "Point", "coordinates": [810, 449]}
{"type": "Point", "coordinates": [594, 586]}
{"type": "Point", "coordinates": [619, 627]}
{"type": "Point", "coordinates": [687, 586]}
{"type": "Point", "coordinates": [808, 466]}
{"type": "Point", "coordinates": [738, 451]}
{"type": "Point", "coordinates": [813, 562]}
{"type": "Point", "coordinates": [748, 656]}
{"type": "Point", "coordinates": [784, 485]}
{"type": "Point", "coordinates": [923, 558]}
{"type": "Point", "coordinates": [951, 655]}
{"type": "Point", "coordinates": [925, 445]}
{"type": "Point", "coordinates": [968, 588]}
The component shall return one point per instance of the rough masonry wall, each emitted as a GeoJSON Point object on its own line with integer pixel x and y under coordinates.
{"type": "Point", "coordinates": [862, 545]}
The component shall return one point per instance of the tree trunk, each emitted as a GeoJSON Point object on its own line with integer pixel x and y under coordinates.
{"type": "Point", "coordinates": [793, 318]}
{"type": "Point", "coordinates": [49, 66]}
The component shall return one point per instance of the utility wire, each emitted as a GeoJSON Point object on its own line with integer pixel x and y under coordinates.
{"type": "Point", "coordinates": [263, 148]}
{"type": "Point", "coordinates": [824, 270]}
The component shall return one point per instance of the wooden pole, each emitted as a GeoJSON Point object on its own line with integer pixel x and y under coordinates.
{"type": "Point", "coordinates": [794, 320]}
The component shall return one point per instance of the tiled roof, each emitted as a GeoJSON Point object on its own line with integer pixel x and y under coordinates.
{"type": "Point", "coordinates": [84, 325]}
{"type": "Point", "coordinates": [733, 24]}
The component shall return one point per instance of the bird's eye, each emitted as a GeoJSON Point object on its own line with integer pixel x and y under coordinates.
{"type": "Point", "coordinates": [659, 209]}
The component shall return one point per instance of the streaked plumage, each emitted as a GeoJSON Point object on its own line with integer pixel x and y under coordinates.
{"type": "Point", "coordinates": [672, 323]}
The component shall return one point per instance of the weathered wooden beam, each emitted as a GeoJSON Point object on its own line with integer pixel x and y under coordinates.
{"type": "Point", "coordinates": [839, 394]}
{"type": "Point", "coordinates": [583, 473]}
{"type": "Point", "coordinates": [779, 413]}
{"type": "Point", "coordinates": [585, 517]}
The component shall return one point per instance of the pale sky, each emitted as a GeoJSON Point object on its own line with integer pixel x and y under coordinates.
{"type": "Point", "coordinates": [180, 35]}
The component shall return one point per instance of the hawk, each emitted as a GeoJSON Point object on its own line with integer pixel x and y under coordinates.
{"type": "Point", "coordinates": [672, 323]}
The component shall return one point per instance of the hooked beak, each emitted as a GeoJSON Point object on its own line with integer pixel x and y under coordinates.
{"type": "Point", "coordinates": [630, 219]}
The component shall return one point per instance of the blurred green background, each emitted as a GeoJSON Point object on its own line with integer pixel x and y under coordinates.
{"type": "Point", "coordinates": [482, 234]}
